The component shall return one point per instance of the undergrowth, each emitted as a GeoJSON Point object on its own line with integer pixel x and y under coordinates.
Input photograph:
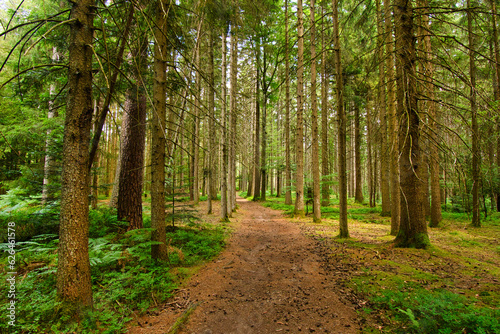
{"type": "Point", "coordinates": [125, 280]}
{"type": "Point", "coordinates": [418, 310]}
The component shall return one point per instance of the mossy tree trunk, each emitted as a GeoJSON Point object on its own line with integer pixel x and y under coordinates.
{"type": "Point", "coordinates": [413, 227]}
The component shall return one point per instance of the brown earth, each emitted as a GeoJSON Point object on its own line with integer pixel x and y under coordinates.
{"type": "Point", "coordinates": [270, 278]}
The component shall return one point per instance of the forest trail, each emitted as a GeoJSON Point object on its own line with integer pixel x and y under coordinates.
{"type": "Point", "coordinates": [268, 279]}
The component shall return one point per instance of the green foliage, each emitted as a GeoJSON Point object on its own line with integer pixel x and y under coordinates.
{"type": "Point", "coordinates": [30, 218]}
{"type": "Point", "coordinates": [124, 277]}
{"type": "Point", "coordinates": [288, 209]}
{"type": "Point", "coordinates": [437, 311]}
{"type": "Point", "coordinates": [103, 221]}
{"type": "Point", "coordinates": [197, 244]}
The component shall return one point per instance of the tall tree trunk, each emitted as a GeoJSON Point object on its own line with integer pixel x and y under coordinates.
{"type": "Point", "coordinates": [371, 183]}
{"type": "Point", "coordinates": [94, 194]}
{"type": "Point", "coordinates": [384, 162]}
{"type": "Point", "coordinates": [225, 160]}
{"type": "Point", "coordinates": [476, 219]}
{"type": "Point", "coordinates": [325, 187]}
{"type": "Point", "coordinates": [497, 90]}
{"type": "Point", "coordinates": [413, 228]}
{"type": "Point", "coordinates": [211, 123]}
{"type": "Point", "coordinates": [263, 166]}
{"type": "Point", "coordinates": [233, 119]}
{"type": "Point", "coordinates": [159, 251]}
{"type": "Point", "coordinates": [393, 121]}
{"type": "Point", "coordinates": [196, 133]}
{"type": "Point", "coordinates": [342, 126]}
{"type": "Point", "coordinates": [256, 173]}
{"type": "Point", "coordinates": [288, 169]}
{"type": "Point", "coordinates": [74, 286]}
{"type": "Point", "coordinates": [133, 142]}
{"type": "Point", "coordinates": [357, 149]}
{"type": "Point", "coordinates": [314, 121]}
{"type": "Point", "coordinates": [299, 138]}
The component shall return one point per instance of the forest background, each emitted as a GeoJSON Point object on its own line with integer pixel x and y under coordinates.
{"type": "Point", "coordinates": [387, 105]}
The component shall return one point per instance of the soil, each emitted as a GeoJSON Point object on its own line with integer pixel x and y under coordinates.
{"type": "Point", "coordinates": [270, 278]}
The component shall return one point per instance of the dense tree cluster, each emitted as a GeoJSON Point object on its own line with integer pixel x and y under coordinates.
{"type": "Point", "coordinates": [396, 102]}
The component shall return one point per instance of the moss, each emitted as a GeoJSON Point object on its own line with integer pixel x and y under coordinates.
{"type": "Point", "coordinates": [419, 241]}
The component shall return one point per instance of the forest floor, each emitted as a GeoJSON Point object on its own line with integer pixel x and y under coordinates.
{"type": "Point", "coordinates": [270, 278]}
{"type": "Point", "coordinates": [280, 274]}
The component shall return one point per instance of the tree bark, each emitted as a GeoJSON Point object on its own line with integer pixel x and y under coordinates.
{"type": "Point", "coordinates": [133, 141]}
{"type": "Point", "coordinates": [413, 228]}
{"type": "Point", "coordinates": [357, 151]}
{"type": "Point", "coordinates": [158, 225]}
{"type": "Point", "coordinates": [94, 194]}
{"type": "Point", "coordinates": [393, 121]}
{"type": "Point", "coordinates": [496, 48]}
{"type": "Point", "coordinates": [263, 166]}
{"type": "Point", "coordinates": [233, 118]}
{"type": "Point", "coordinates": [314, 121]}
{"type": "Point", "coordinates": [299, 153]}
{"type": "Point", "coordinates": [342, 125]}
{"type": "Point", "coordinates": [371, 183]}
{"type": "Point", "coordinates": [288, 169]}
{"type": "Point", "coordinates": [74, 286]}
{"type": "Point", "coordinates": [224, 139]}
{"type": "Point", "coordinates": [256, 173]}
{"type": "Point", "coordinates": [211, 123]}
{"type": "Point", "coordinates": [476, 219]}
{"type": "Point", "coordinates": [325, 187]}
{"type": "Point", "coordinates": [384, 162]}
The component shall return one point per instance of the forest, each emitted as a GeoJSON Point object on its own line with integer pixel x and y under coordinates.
{"type": "Point", "coordinates": [199, 166]}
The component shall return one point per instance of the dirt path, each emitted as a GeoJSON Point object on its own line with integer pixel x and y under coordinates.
{"type": "Point", "coordinates": [269, 279]}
